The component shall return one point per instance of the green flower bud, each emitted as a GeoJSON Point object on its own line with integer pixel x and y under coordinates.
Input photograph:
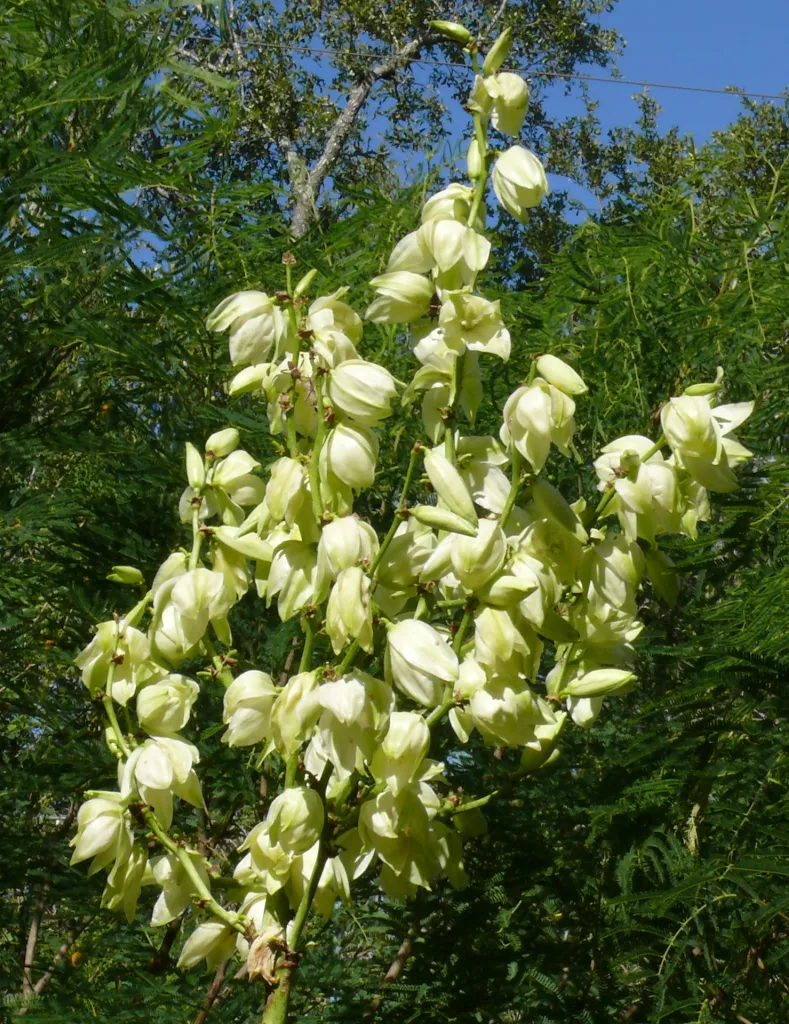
{"type": "Point", "coordinates": [497, 54]}
{"type": "Point", "coordinates": [562, 376]}
{"type": "Point", "coordinates": [600, 683]}
{"type": "Point", "coordinates": [474, 160]}
{"type": "Point", "coordinates": [443, 519]}
{"type": "Point", "coordinates": [304, 283]}
{"type": "Point", "coordinates": [195, 468]}
{"type": "Point", "coordinates": [126, 574]}
{"type": "Point", "coordinates": [222, 443]}
{"type": "Point", "coordinates": [451, 29]}
{"type": "Point", "coordinates": [449, 486]}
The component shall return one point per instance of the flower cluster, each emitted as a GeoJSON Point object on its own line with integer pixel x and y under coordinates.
{"type": "Point", "coordinates": [492, 604]}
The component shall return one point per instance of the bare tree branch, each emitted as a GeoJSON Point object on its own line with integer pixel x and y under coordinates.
{"type": "Point", "coordinates": [212, 993]}
{"type": "Point", "coordinates": [307, 192]}
{"type": "Point", "coordinates": [32, 942]}
{"type": "Point", "coordinates": [225, 991]}
{"type": "Point", "coordinates": [38, 913]}
{"type": "Point", "coordinates": [160, 961]}
{"type": "Point", "coordinates": [395, 969]}
{"type": "Point", "coordinates": [45, 978]}
{"type": "Point", "coordinates": [496, 18]}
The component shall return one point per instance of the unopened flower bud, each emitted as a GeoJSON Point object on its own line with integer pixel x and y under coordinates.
{"type": "Point", "coordinates": [305, 283]}
{"type": "Point", "coordinates": [222, 443]}
{"type": "Point", "coordinates": [402, 751]}
{"type": "Point", "coordinates": [443, 519]}
{"type": "Point", "coordinates": [449, 486]}
{"type": "Point", "coordinates": [562, 376]}
{"type": "Point", "coordinates": [497, 54]}
{"type": "Point", "coordinates": [600, 683]}
{"type": "Point", "coordinates": [126, 574]}
{"type": "Point", "coordinates": [474, 160]}
{"type": "Point", "coordinates": [452, 30]}
{"type": "Point", "coordinates": [195, 468]}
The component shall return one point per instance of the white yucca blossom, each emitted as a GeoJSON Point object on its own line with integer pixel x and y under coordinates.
{"type": "Point", "coordinates": [452, 579]}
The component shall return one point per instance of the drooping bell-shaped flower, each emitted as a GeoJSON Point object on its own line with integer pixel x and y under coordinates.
{"type": "Point", "coordinates": [295, 712]}
{"type": "Point", "coordinates": [700, 437]}
{"type": "Point", "coordinates": [420, 660]}
{"type": "Point", "coordinates": [177, 887]}
{"type": "Point", "coordinates": [349, 612]}
{"type": "Point", "coordinates": [247, 708]}
{"type": "Point", "coordinates": [480, 462]}
{"type": "Point", "coordinates": [402, 297]}
{"type": "Point", "coordinates": [158, 769]}
{"type": "Point", "coordinates": [291, 578]}
{"type": "Point", "coordinates": [355, 717]}
{"type": "Point", "coordinates": [348, 455]}
{"type": "Point", "coordinates": [336, 328]}
{"type": "Point", "coordinates": [505, 97]}
{"type": "Point", "coordinates": [285, 490]}
{"type": "Point", "coordinates": [295, 819]}
{"type": "Point", "coordinates": [212, 941]}
{"type": "Point", "coordinates": [506, 712]}
{"type": "Point", "coordinates": [473, 323]}
{"type": "Point", "coordinates": [164, 707]}
{"type": "Point", "coordinates": [536, 416]}
{"type": "Point", "coordinates": [363, 391]}
{"type": "Point", "coordinates": [103, 832]}
{"type": "Point", "coordinates": [125, 881]}
{"type": "Point", "coordinates": [122, 646]}
{"type": "Point", "coordinates": [256, 325]}
{"type": "Point", "coordinates": [519, 181]}
{"type": "Point", "coordinates": [398, 760]}
{"type": "Point", "coordinates": [452, 203]}
{"type": "Point", "coordinates": [345, 542]}
{"type": "Point", "coordinates": [476, 560]}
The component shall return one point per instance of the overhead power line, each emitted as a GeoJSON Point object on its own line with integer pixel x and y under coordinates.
{"type": "Point", "coordinates": [533, 73]}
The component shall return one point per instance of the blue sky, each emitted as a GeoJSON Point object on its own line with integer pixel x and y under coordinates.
{"type": "Point", "coordinates": [712, 43]}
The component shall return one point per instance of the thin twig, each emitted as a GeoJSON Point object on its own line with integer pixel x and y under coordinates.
{"type": "Point", "coordinates": [212, 993]}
